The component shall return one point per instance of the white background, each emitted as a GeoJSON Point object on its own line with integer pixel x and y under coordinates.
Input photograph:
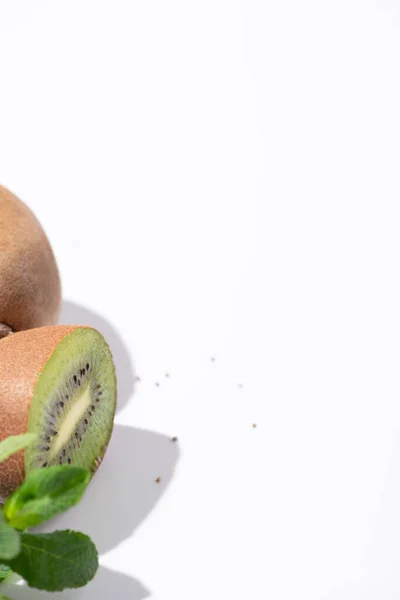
{"type": "Point", "coordinates": [221, 178]}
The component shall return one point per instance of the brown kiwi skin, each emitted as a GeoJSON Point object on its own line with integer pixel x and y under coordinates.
{"type": "Point", "coordinates": [22, 359]}
{"type": "Point", "coordinates": [30, 288]}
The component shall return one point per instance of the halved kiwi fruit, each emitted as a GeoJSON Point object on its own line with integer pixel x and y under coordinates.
{"type": "Point", "coordinates": [30, 290]}
{"type": "Point", "coordinates": [59, 383]}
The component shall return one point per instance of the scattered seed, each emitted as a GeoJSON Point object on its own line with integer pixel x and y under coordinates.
{"type": "Point", "coordinates": [62, 404]}
{"type": "Point", "coordinates": [100, 393]}
{"type": "Point", "coordinates": [87, 367]}
{"type": "Point", "coordinates": [79, 382]}
{"type": "Point", "coordinates": [158, 480]}
{"type": "Point", "coordinates": [45, 449]}
{"type": "Point", "coordinates": [86, 422]}
{"type": "Point", "coordinates": [90, 414]}
{"type": "Point", "coordinates": [44, 464]}
{"type": "Point", "coordinates": [77, 435]}
{"type": "Point", "coordinates": [53, 432]}
{"type": "Point", "coordinates": [69, 461]}
{"type": "Point", "coordinates": [93, 407]}
{"type": "Point", "coordinates": [67, 397]}
{"type": "Point", "coordinates": [174, 439]}
{"type": "Point", "coordinates": [97, 399]}
{"type": "Point", "coordinates": [75, 378]}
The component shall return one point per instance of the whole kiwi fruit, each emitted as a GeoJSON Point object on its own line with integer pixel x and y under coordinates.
{"type": "Point", "coordinates": [58, 383]}
{"type": "Point", "coordinates": [30, 289]}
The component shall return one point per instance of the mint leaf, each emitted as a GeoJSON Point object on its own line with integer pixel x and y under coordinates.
{"type": "Point", "coordinates": [4, 573]}
{"type": "Point", "coordinates": [55, 561]}
{"type": "Point", "coordinates": [9, 540]}
{"type": "Point", "coordinates": [14, 443]}
{"type": "Point", "coordinates": [45, 493]}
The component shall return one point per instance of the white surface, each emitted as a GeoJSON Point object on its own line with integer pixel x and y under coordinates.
{"type": "Point", "coordinates": [221, 179]}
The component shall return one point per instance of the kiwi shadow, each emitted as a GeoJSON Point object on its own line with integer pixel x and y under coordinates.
{"type": "Point", "coordinates": [119, 498]}
{"type": "Point", "coordinates": [106, 584]}
{"type": "Point", "coordinates": [75, 314]}
{"type": "Point", "coordinates": [124, 490]}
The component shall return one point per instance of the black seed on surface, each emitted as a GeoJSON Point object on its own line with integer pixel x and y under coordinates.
{"type": "Point", "coordinates": [83, 371]}
{"type": "Point", "coordinates": [53, 432]}
{"type": "Point", "coordinates": [67, 397]}
{"type": "Point", "coordinates": [97, 399]}
{"type": "Point", "coordinates": [87, 367]}
{"type": "Point", "coordinates": [44, 464]}
{"type": "Point", "coordinates": [93, 407]}
{"type": "Point", "coordinates": [90, 414]}
{"type": "Point", "coordinates": [75, 378]}
{"type": "Point", "coordinates": [45, 448]}
{"type": "Point", "coordinates": [69, 461]}
{"type": "Point", "coordinates": [62, 404]}
{"type": "Point", "coordinates": [100, 393]}
{"type": "Point", "coordinates": [79, 382]}
{"type": "Point", "coordinates": [97, 387]}
{"type": "Point", "coordinates": [77, 435]}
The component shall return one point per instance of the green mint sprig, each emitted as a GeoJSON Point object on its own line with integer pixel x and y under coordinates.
{"type": "Point", "coordinates": [48, 561]}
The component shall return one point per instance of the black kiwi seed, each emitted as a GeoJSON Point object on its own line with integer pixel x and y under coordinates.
{"type": "Point", "coordinates": [75, 378]}
{"type": "Point", "coordinates": [62, 404]}
{"type": "Point", "coordinates": [45, 448]}
{"type": "Point", "coordinates": [52, 432]}
{"type": "Point", "coordinates": [93, 407]}
{"type": "Point", "coordinates": [76, 435]}
{"type": "Point", "coordinates": [90, 414]}
{"type": "Point", "coordinates": [67, 397]}
{"type": "Point", "coordinates": [44, 464]}
{"type": "Point", "coordinates": [79, 382]}
{"type": "Point", "coordinates": [97, 399]}
{"type": "Point", "coordinates": [86, 422]}
{"type": "Point", "coordinates": [69, 461]}
{"type": "Point", "coordinates": [100, 393]}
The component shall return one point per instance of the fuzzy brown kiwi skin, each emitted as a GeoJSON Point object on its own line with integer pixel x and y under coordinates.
{"type": "Point", "coordinates": [30, 289]}
{"type": "Point", "coordinates": [22, 359]}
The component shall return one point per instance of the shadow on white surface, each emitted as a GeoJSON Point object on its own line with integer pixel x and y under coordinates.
{"type": "Point", "coordinates": [106, 585]}
{"type": "Point", "coordinates": [124, 490]}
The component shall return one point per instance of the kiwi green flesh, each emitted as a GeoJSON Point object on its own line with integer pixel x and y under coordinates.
{"type": "Point", "coordinates": [73, 405]}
